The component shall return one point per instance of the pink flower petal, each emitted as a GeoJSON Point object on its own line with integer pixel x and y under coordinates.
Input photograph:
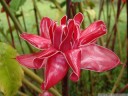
{"type": "Point", "coordinates": [66, 45]}
{"type": "Point", "coordinates": [76, 36]}
{"type": "Point", "coordinates": [78, 18]}
{"type": "Point", "coordinates": [97, 58]}
{"type": "Point", "coordinates": [45, 25]}
{"type": "Point", "coordinates": [51, 31]}
{"type": "Point", "coordinates": [32, 61]}
{"type": "Point", "coordinates": [58, 33]}
{"type": "Point", "coordinates": [74, 57]}
{"type": "Point", "coordinates": [56, 68]}
{"type": "Point", "coordinates": [94, 41]}
{"type": "Point", "coordinates": [46, 93]}
{"type": "Point", "coordinates": [36, 41]}
{"type": "Point", "coordinates": [27, 60]}
{"type": "Point", "coordinates": [63, 20]}
{"type": "Point", "coordinates": [92, 32]}
{"type": "Point", "coordinates": [76, 32]}
{"type": "Point", "coordinates": [65, 32]}
{"type": "Point", "coordinates": [45, 54]}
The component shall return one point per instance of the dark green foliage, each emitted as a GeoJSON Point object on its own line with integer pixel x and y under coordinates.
{"type": "Point", "coordinates": [15, 4]}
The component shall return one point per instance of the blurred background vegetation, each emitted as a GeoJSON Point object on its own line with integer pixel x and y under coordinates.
{"type": "Point", "coordinates": [28, 13]}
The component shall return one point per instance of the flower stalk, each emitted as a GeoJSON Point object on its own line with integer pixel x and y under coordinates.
{"type": "Point", "coordinates": [123, 89]}
{"type": "Point", "coordinates": [29, 84]}
{"type": "Point", "coordinates": [36, 17]}
{"type": "Point", "coordinates": [39, 80]}
{"type": "Point", "coordinates": [23, 18]}
{"type": "Point", "coordinates": [115, 25]}
{"type": "Point", "coordinates": [65, 79]}
{"type": "Point", "coordinates": [81, 10]}
{"type": "Point", "coordinates": [118, 78]}
{"type": "Point", "coordinates": [21, 93]}
{"type": "Point", "coordinates": [57, 5]}
{"type": "Point", "coordinates": [127, 38]}
{"type": "Point", "coordinates": [10, 28]}
{"type": "Point", "coordinates": [20, 41]}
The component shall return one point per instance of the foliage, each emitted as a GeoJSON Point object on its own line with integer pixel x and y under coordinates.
{"type": "Point", "coordinates": [11, 73]}
{"type": "Point", "coordinates": [77, 0]}
{"type": "Point", "coordinates": [15, 4]}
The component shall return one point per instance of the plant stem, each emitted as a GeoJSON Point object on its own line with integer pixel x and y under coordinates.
{"type": "Point", "coordinates": [32, 75]}
{"type": "Point", "coordinates": [4, 35]}
{"type": "Point", "coordinates": [114, 15]}
{"type": "Point", "coordinates": [100, 8]}
{"type": "Point", "coordinates": [82, 84]}
{"type": "Point", "coordinates": [114, 12]}
{"type": "Point", "coordinates": [10, 28]}
{"type": "Point", "coordinates": [20, 41]}
{"type": "Point", "coordinates": [123, 89]}
{"type": "Point", "coordinates": [65, 86]}
{"type": "Point", "coordinates": [118, 79]}
{"type": "Point", "coordinates": [65, 79]}
{"type": "Point", "coordinates": [127, 37]}
{"type": "Point", "coordinates": [37, 10]}
{"type": "Point", "coordinates": [39, 80]}
{"type": "Point", "coordinates": [36, 17]}
{"type": "Point", "coordinates": [29, 84]}
{"type": "Point", "coordinates": [107, 12]}
{"type": "Point", "coordinates": [115, 25]}
{"type": "Point", "coordinates": [73, 8]}
{"type": "Point", "coordinates": [120, 46]}
{"type": "Point", "coordinates": [68, 11]}
{"type": "Point", "coordinates": [29, 47]}
{"type": "Point", "coordinates": [89, 17]}
{"type": "Point", "coordinates": [91, 83]}
{"type": "Point", "coordinates": [81, 10]}
{"type": "Point", "coordinates": [57, 5]}
{"type": "Point", "coordinates": [21, 93]}
{"type": "Point", "coordinates": [25, 28]}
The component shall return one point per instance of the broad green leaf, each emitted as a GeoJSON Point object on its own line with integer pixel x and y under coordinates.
{"type": "Point", "coordinates": [77, 0]}
{"type": "Point", "coordinates": [11, 73]}
{"type": "Point", "coordinates": [15, 4]}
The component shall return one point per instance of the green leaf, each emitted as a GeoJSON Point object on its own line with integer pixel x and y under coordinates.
{"type": "Point", "coordinates": [15, 4]}
{"type": "Point", "coordinates": [77, 0]}
{"type": "Point", "coordinates": [91, 12]}
{"type": "Point", "coordinates": [11, 73]}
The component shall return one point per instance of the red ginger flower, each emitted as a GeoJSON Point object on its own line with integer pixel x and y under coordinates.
{"type": "Point", "coordinates": [65, 46]}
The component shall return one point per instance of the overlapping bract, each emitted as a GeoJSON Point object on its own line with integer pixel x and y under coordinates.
{"type": "Point", "coordinates": [66, 46]}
